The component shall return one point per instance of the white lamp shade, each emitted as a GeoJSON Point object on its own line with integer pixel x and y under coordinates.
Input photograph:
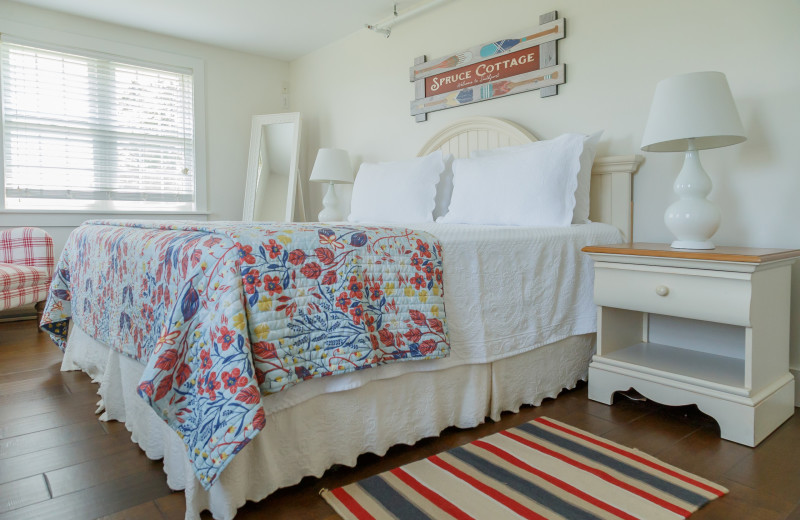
{"type": "Point", "coordinates": [696, 106]}
{"type": "Point", "coordinates": [332, 165]}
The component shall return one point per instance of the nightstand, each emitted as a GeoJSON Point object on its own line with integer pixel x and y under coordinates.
{"type": "Point", "coordinates": [704, 327]}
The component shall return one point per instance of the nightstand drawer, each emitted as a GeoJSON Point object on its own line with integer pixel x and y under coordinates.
{"type": "Point", "coordinates": [689, 293]}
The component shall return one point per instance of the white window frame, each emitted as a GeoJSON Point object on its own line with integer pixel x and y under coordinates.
{"type": "Point", "coordinates": [67, 42]}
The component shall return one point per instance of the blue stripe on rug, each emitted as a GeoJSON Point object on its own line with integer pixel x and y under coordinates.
{"type": "Point", "coordinates": [522, 486]}
{"type": "Point", "coordinates": [393, 501]}
{"type": "Point", "coordinates": [617, 465]}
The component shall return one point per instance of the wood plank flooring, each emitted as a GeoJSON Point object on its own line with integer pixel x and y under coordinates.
{"type": "Point", "coordinates": [58, 461]}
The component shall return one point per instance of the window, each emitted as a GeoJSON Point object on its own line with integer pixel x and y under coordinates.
{"type": "Point", "coordinates": [84, 130]}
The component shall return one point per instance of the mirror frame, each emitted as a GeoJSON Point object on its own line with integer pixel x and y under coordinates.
{"type": "Point", "coordinates": [256, 127]}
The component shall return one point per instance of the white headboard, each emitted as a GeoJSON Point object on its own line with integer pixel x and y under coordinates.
{"type": "Point", "coordinates": [611, 189]}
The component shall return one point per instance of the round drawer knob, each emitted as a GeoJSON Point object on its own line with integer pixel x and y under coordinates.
{"type": "Point", "coordinates": [662, 290]}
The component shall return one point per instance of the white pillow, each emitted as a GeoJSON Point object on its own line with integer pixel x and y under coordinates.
{"type": "Point", "coordinates": [580, 214]}
{"type": "Point", "coordinates": [530, 186]}
{"type": "Point", "coordinates": [399, 191]}
{"type": "Point", "coordinates": [444, 190]}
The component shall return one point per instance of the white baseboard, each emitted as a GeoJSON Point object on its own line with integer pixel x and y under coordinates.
{"type": "Point", "coordinates": [796, 373]}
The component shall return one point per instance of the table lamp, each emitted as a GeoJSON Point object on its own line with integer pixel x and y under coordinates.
{"type": "Point", "coordinates": [692, 112]}
{"type": "Point", "coordinates": [332, 166]}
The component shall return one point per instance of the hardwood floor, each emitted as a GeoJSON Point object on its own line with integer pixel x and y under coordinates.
{"type": "Point", "coordinates": [58, 461]}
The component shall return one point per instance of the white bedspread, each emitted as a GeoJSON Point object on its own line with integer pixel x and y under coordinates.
{"type": "Point", "coordinates": [528, 286]}
{"type": "Point", "coordinates": [531, 286]}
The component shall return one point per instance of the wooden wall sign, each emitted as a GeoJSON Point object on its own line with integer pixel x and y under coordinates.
{"type": "Point", "coordinates": [514, 64]}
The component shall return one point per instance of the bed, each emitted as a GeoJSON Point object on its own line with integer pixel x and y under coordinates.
{"type": "Point", "coordinates": [503, 353]}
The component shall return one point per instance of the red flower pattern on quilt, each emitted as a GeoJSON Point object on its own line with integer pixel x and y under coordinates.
{"type": "Point", "coordinates": [222, 315]}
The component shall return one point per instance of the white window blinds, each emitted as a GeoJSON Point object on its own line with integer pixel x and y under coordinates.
{"type": "Point", "coordinates": [93, 131]}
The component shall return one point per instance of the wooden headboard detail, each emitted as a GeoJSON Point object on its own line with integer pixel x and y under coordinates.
{"type": "Point", "coordinates": [611, 190]}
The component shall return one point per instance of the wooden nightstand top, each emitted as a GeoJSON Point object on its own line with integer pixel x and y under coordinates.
{"type": "Point", "coordinates": [720, 254]}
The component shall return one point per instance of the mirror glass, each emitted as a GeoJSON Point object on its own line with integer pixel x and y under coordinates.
{"type": "Point", "coordinates": [272, 180]}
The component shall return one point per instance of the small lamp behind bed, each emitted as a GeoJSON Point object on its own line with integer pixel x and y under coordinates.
{"type": "Point", "coordinates": [332, 166]}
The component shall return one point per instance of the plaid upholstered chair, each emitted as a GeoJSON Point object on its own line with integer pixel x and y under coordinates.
{"type": "Point", "coordinates": [26, 267]}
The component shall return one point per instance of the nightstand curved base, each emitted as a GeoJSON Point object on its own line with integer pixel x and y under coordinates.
{"type": "Point", "coordinates": [745, 420]}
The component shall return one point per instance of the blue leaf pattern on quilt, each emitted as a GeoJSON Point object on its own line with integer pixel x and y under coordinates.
{"type": "Point", "coordinates": [222, 314]}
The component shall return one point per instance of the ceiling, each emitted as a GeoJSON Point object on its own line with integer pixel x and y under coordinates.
{"type": "Point", "coordinates": [282, 29]}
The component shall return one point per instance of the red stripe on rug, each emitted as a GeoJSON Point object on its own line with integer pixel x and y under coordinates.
{"type": "Point", "coordinates": [351, 504]}
{"type": "Point", "coordinates": [432, 496]}
{"type": "Point", "coordinates": [600, 473]}
{"type": "Point", "coordinates": [553, 480]}
{"type": "Point", "coordinates": [487, 490]}
{"type": "Point", "coordinates": [632, 456]}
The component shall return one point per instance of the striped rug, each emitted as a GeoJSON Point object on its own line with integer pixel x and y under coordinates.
{"type": "Point", "coordinates": [541, 469]}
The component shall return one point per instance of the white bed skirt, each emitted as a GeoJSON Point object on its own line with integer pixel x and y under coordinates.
{"type": "Point", "coordinates": [332, 428]}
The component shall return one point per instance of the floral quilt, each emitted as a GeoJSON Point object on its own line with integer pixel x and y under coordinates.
{"type": "Point", "coordinates": [222, 314]}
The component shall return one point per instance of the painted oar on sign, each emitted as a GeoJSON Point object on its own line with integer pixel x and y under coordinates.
{"type": "Point", "coordinates": [502, 46]}
{"type": "Point", "coordinates": [455, 98]}
{"type": "Point", "coordinates": [501, 88]}
{"type": "Point", "coordinates": [449, 63]}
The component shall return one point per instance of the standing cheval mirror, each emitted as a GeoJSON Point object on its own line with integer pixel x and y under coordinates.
{"type": "Point", "coordinates": [273, 192]}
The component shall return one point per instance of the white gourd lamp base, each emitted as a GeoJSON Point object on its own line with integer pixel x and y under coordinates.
{"type": "Point", "coordinates": [693, 219]}
{"type": "Point", "coordinates": [330, 206]}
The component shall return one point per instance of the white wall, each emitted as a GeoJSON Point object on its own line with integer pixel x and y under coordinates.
{"type": "Point", "coordinates": [355, 94]}
{"type": "Point", "coordinates": [237, 86]}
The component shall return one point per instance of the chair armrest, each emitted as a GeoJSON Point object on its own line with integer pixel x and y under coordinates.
{"type": "Point", "coordinates": [27, 246]}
